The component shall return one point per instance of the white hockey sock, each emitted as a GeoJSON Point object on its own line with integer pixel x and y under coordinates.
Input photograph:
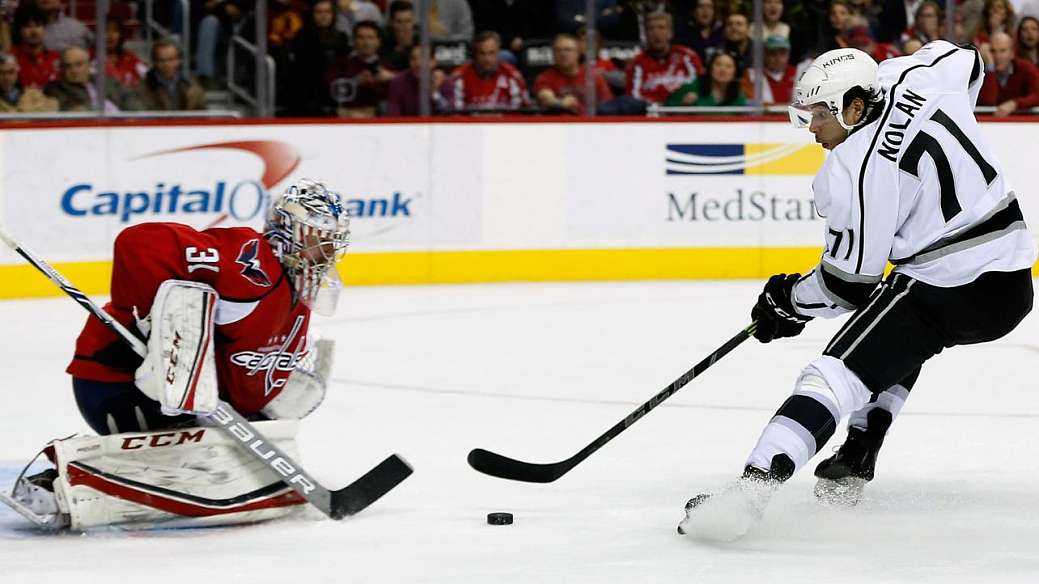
{"type": "Point", "coordinates": [891, 399]}
{"type": "Point", "coordinates": [824, 394]}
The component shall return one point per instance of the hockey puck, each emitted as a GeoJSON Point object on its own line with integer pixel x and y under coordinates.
{"type": "Point", "coordinates": [499, 518]}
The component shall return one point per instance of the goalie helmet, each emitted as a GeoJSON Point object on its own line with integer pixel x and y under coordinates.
{"type": "Point", "coordinates": [827, 80]}
{"type": "Point", "coordinates": [309, 230]}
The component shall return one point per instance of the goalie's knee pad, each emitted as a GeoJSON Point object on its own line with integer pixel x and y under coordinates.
{"type": "Point", "coordinates": [174, 478]}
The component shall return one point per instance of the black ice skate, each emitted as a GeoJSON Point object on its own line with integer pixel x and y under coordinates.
{"type": "Point", "coordinates": [730, 514]}
{"type": "Point", "coordinates": [843, 476]}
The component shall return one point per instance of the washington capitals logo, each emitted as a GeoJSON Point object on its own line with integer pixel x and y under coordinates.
{"type": "Point", "coordinates": [252, 271]}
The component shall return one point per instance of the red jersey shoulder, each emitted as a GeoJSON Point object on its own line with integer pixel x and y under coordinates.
{"type": "Point", "coordinates": [238, 262]}
{"type": "Point", "coordinates": [248, 266]}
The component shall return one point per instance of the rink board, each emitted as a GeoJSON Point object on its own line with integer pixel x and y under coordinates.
{"type": "Point", "coordinates": [446, 202]}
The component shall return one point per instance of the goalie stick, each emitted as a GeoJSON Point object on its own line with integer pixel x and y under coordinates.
{"type": "Point", "coordinates": [336, 504]}
{"type": "Point", "coordinates": [504, 467]}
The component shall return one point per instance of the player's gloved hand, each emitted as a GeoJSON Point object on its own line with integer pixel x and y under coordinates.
{"type": "Point", "coordinates": [774, 311]}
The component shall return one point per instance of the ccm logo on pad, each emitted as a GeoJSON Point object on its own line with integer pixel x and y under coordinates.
{"type": "Point", "coordinates": [162, 440]}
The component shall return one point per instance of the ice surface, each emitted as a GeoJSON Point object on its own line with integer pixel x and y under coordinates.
{"type": "Point", "coordinates": [536, 372]}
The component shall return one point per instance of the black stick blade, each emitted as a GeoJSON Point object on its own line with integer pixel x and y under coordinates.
{"type": "Point", "coordinates": [504, 467]}
{"type": "Point", "coordinates": [366, 490]}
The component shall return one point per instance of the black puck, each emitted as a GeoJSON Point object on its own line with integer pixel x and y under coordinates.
{"type": "Point", "coordinates": [499, 518]}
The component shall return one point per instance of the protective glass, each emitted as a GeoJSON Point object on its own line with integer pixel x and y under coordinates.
{"type": "Point", "coordinates": [802, 116]}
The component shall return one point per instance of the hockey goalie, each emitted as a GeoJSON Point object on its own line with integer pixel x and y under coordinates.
{"type": "Point", "coordinates": [225, 314]}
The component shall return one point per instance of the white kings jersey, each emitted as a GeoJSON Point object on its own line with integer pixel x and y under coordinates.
{"type": "Point", "coordinates": [918, 187]}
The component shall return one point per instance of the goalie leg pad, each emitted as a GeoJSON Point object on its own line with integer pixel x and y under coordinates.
{"type": "Point", "coordinates": [180, 369]}
{"type": "Point", "coordinates": [184, 477]}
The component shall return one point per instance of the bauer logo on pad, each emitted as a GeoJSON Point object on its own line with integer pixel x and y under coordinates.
{"type": "Point", "coordinates": [745, 159]}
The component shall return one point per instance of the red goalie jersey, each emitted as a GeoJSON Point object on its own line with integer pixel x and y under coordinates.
{"type": "Point", "coordinates": [260, 333]}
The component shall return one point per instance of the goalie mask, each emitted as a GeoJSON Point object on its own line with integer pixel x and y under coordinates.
{"type": "Point", "coordinates": [821, 88]}
{"type": "Point", "coordinates": [309, 229]}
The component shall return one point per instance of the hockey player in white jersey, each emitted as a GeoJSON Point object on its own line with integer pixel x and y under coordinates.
{"type": "Point", "coordinates": [910, 180]}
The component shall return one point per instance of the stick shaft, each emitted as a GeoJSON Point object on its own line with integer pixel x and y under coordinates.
{"type": "Point", "coordinates": [508, 468]}
{"type": "Point", "coordinates": [667, 392]}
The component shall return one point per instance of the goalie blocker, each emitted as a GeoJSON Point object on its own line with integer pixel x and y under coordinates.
{"type": "Point", "coordinates": [179, 477]}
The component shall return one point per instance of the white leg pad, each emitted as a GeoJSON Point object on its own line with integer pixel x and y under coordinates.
{"type": "Point", "coordinates": [173, 478]}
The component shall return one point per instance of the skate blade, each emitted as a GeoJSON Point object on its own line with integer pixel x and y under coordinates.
{"type": "Point", "coordinates": [844, 492]}
{"type": "Point", "coordinates": [49, 522]}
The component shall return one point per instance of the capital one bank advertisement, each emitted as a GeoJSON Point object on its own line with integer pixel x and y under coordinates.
{"type": "Point", "coordinates": [98, 181]}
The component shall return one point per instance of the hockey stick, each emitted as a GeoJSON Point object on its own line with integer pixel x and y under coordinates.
{"type": "Point", "coordinates": [504, 467]}
{"type": "Point", "coordinates": [335, 504]}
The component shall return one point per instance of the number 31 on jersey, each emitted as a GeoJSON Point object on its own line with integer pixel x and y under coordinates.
{"type": "Point", "coordinates": [205, 259]}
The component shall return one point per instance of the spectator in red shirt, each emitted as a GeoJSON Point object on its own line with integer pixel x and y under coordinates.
{"type": "Point", "coordinates": [602, 64]}
{"type": "Point", "coordinates": [403, 99]}
{"type": "Point", "coordinates": [859, 38]}
{"type": "Point", "coordinates": [37, 65]}
{"type": "Point", "coordinates": [120, 64]}
{"type": "Point", "coordinates": [780, 75]}
{"type": "Point", "coordinates": [561, 89]}
{"type": "Point", "coordinates": [486, 83]}
{"type": "Point", "coordinates": [615, 78]}
{"type": "Point", "coordinates": [1011, 83]}
{"type": "Point", "coordinates": [661, 67]}
{"type": "Point", "coordinates": [359, 82]}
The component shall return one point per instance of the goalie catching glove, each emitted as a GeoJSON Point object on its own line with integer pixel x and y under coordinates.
{"type": "Point", "coordinates": [306, 386]}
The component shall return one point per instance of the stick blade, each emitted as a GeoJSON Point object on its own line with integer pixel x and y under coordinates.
{"type": "Point", "coordinates": [503, 467]}
{"type": "Point", "coordinates": [356, 496]}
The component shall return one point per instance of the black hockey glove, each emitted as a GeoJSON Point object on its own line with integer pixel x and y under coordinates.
{"type": "Point", "coordinates": [774, 311]}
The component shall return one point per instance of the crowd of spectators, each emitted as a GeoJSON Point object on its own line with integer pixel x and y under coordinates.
{"type": "Point", "coordinates": [47, 64]}
{"type": "Point", "coordinates": [361, 58]}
